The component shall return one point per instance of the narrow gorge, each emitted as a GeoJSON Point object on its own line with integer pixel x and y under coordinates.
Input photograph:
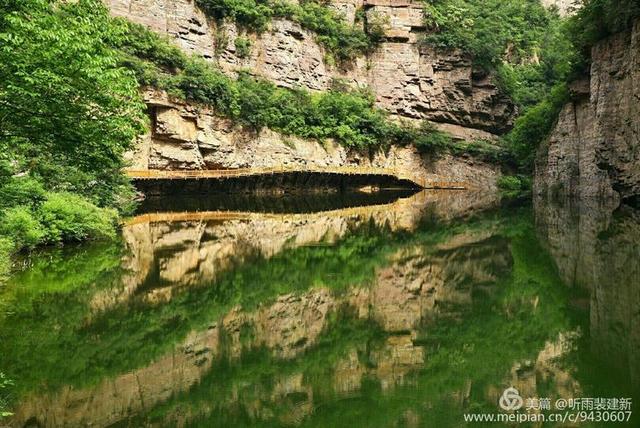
{"type": "Point", "coordinates": [319, 213]}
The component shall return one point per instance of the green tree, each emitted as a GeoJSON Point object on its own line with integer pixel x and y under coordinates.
{"type": "Point", "coordinates": [67, 110]}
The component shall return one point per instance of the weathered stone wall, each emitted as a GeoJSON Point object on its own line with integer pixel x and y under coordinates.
{"type": "Point", "coordinates": [409, 80]}
{"type": "Point", "coordinates": [565, 7]}
{"type": "Point", "coordinates": [594, 150]}
{"type": "Point", "coordinates": [190, 137]}
{"type": "Point", "coordinates": [179, 19]}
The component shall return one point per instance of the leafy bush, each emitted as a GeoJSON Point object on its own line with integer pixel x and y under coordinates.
{"type": "Point", "coordinates": [19, 224]}
{"type": "Point", "coordinates": [514, 186]}
{"type": "Point", "coordinates": [243, 47]}
{"type": "Point", "coordinates": [430, 140]}
{"type": "Point", "coordinates": [67, 217]}
{"type": "Point", "coordinates": [534, 126]}
{"type": "Point", "coordinates": [201, 82]}
{"type": "Point", "coordinates": [23, 190]}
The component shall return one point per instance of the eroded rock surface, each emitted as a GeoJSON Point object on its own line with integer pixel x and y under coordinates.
{"type": "Point", "coordinates": [409, 80]}
{"type": "Point", "coordinates": [192, 137]}
{"type": "Point", "coordinates": [594, 150]}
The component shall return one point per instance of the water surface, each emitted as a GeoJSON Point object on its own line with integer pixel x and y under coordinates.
{"type": "Point", "coordinates": [365, 313]}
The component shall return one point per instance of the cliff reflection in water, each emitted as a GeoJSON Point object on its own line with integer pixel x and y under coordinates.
{"type": "Point", "coordinates": [405, 313]}
{"type": "Point", "coordinates": [597, 251]}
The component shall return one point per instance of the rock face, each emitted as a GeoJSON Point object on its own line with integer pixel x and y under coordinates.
{"type": "Point", "coordinates": [409, 79]}
{"type": "Point", "coordinates": [191, 137]}
{"type": "Point", "coordinates": [594, 150]}
{"type": "Point", "coordinates": [179, 19]}
{"type": "Point", "coordinates": [565, 7]}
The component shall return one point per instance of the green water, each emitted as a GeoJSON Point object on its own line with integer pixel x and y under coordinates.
{"type": "Point", "coordinates": [407, 313]}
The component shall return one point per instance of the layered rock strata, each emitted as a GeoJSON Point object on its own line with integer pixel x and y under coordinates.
{"type": "Point", "coordinates": [186, 136]}
{"type": "Point", "coordinates": [594, 150]}
{"type": "Point", "coordinates": [410, 79]}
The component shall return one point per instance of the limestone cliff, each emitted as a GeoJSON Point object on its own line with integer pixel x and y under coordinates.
{"type": "Point", "coordinates": [594, 150]}
{"type": "Point", "coordinates": [186, 136]}
{"type": "Point", "coordinates": [410, 80]}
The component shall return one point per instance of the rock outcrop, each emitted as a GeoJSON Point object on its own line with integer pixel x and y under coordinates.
{"type": "Point", "coordinates": [594, 150]}
{"type": "Point", "coordinates": [564, 7]}
{"type": "Point", "coordinates": [409, 79]}
{"type": "Point", "coordinates": [187, 136]}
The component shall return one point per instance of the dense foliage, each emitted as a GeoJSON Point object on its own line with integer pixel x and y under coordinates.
{"type": "Point", "coordinates": [597, 19]}
{"type": "Point", "coordinates": [68, 112]}
{"type": "Point", "coordinates": [342, 41]}
{"type": "Point", "coordinates": [488, 29]}
{"type": "Point", "coordinates": [534, 125]}
{"type": "Point", "coordinates": [532, 52]}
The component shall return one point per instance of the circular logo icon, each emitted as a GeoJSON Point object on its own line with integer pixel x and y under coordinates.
{"type": "Point", "coordinates": [511, 400]}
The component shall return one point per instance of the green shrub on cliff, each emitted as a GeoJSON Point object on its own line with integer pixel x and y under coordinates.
{"type": "Point", "coordinates": [534, 126]}
{"type": "Point", "coordinates": [243, 47]}
{"type": "Point", "coordinates": [342, 113]}
{"type": "Point", "coordinates": [342, 40]}
{"type": "Point", "coordinates": [200, 81]}
{"type": "Point", "coordinates": [488, 29]}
